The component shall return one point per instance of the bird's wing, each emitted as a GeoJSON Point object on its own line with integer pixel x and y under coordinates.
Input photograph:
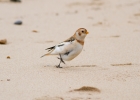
{"type": "Point", "coordinates": [61, 44]}
{"type": "Point", "coordinates": [70, 39]}
{"type": "Point", "coordinates": [62, 48]}
{"type": "Point", "coordinates": [50, 48]}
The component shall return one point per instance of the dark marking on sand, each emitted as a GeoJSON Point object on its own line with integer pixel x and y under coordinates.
{"type": "Point", "coordinates": [93, 3]}
{"type": "Point", "coordinates": [8, 79]}
{"type": "Point", "coordinates": [84, 66]}
{"type": "Point", "coordinates": [49, 98]}
{"type": "Point", "coordinates": [87, 89]}
{"type": "Point", "coordinates": [98, 23]}
{"type": "Point", "coordinates": [137, 14]}
{"type": "Point", "coordinates": [115, 36]}
{"type": "Point", "coordinates": [3, 41]}
{"type": "Point", "coordinates": [49, 41]}
{"type": "Point", "coordinates": [126, 64]}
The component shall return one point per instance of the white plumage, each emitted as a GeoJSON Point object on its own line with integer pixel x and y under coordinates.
{"type": "Point", "coordinates": [70, 48]}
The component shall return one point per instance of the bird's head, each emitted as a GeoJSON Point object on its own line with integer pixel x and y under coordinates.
{"type": "Point", "coordinates": [81, 34]}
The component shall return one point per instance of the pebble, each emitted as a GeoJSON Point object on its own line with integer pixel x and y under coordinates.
{"type": "Point", "coordinates": [57, 14]}
{"type": "Point", "coordinates": [35, 31]}
{"type": "Point", "coordinates": [8, 57]}
{"type": "Point", "coordinates": [18, 22]}
{"type": "Point", "coordinates": [8, 79]}
{"type": "Point", "coordinates": [3, 41]}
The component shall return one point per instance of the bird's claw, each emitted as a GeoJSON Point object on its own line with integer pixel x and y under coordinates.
{"type": "Point", "coordinates": [58, 66]}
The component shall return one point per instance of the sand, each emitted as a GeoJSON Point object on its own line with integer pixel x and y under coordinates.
{"type": "Point", "coordinates": [109, 62]}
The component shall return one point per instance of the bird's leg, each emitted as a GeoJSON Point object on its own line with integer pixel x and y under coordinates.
{"type": "Point", "coordinates": [61, 60]}
{"type": "Point", "coordinates": [58, 66]}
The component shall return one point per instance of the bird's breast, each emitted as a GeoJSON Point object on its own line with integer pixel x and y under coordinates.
{"type": "Point", "coordinates": [72, 52]}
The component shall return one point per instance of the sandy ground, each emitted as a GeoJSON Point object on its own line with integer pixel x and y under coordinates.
{"type": "Point", "coordinates": [109, 63]}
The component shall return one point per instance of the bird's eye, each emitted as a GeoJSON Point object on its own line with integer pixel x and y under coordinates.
{"type": "Point", "coordinates": [82, 31]}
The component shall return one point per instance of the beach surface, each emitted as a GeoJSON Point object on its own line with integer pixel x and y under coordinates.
{"type": "Point", "coordinates": [108, 68]}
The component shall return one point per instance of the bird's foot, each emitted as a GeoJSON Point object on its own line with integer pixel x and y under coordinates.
{"type": "Point", "coordinates": [58, 66]}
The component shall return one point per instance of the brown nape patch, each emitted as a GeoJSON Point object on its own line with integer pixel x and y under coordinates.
{"type": "Point", "coordinates": [126, 64]}
{"type": "Point", "coordinates": [87, 89]}
{"type": "Point", "coordinates": [81, 42]}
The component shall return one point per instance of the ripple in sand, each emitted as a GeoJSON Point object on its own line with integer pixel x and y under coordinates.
{"type": "Point", "coordinates": [87, 89]}
{"type": "Point", "coordinates": [49, 98]}
{"type": "Point", "coordinates": [84, 66]}
{"type": "Point", "coordinates": [126, 64]}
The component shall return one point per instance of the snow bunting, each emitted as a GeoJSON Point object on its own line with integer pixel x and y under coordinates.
{"type": "Point", "coordinates": [70, 48]}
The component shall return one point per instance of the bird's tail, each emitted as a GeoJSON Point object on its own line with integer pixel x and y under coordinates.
{"type": "Point", "coordinates": [49, 52]}
{"type": "Point", "coordinates": [44, 55]}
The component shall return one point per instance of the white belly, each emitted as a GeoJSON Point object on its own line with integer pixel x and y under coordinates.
{"type": "Point", "coordinates": [74, 48]}
{"type": "Point", "coordinates": [77, 48]}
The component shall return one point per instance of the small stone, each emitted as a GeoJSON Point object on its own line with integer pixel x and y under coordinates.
{"type": "Point", "coordinates": [8, 57]}
{"type": "Point", "coordinates": [57, 14]}
{"type": "Point", "coordinates": [3, 41]}
{"type": "Point", "coordinates": [76, 11]}
{"type": "Point", "coordinates": [18, 22]}
{"type": "Point", "coordinates": [8, 79]}
{"type": "Point", "coordinates": [35, 31]}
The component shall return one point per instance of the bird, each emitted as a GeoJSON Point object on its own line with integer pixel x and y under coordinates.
{"type": "Point", "coordinates": [70, 48]}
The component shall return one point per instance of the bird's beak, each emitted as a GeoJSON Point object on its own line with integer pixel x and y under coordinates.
{"type": "Point", "coordinates": [87, 32]}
